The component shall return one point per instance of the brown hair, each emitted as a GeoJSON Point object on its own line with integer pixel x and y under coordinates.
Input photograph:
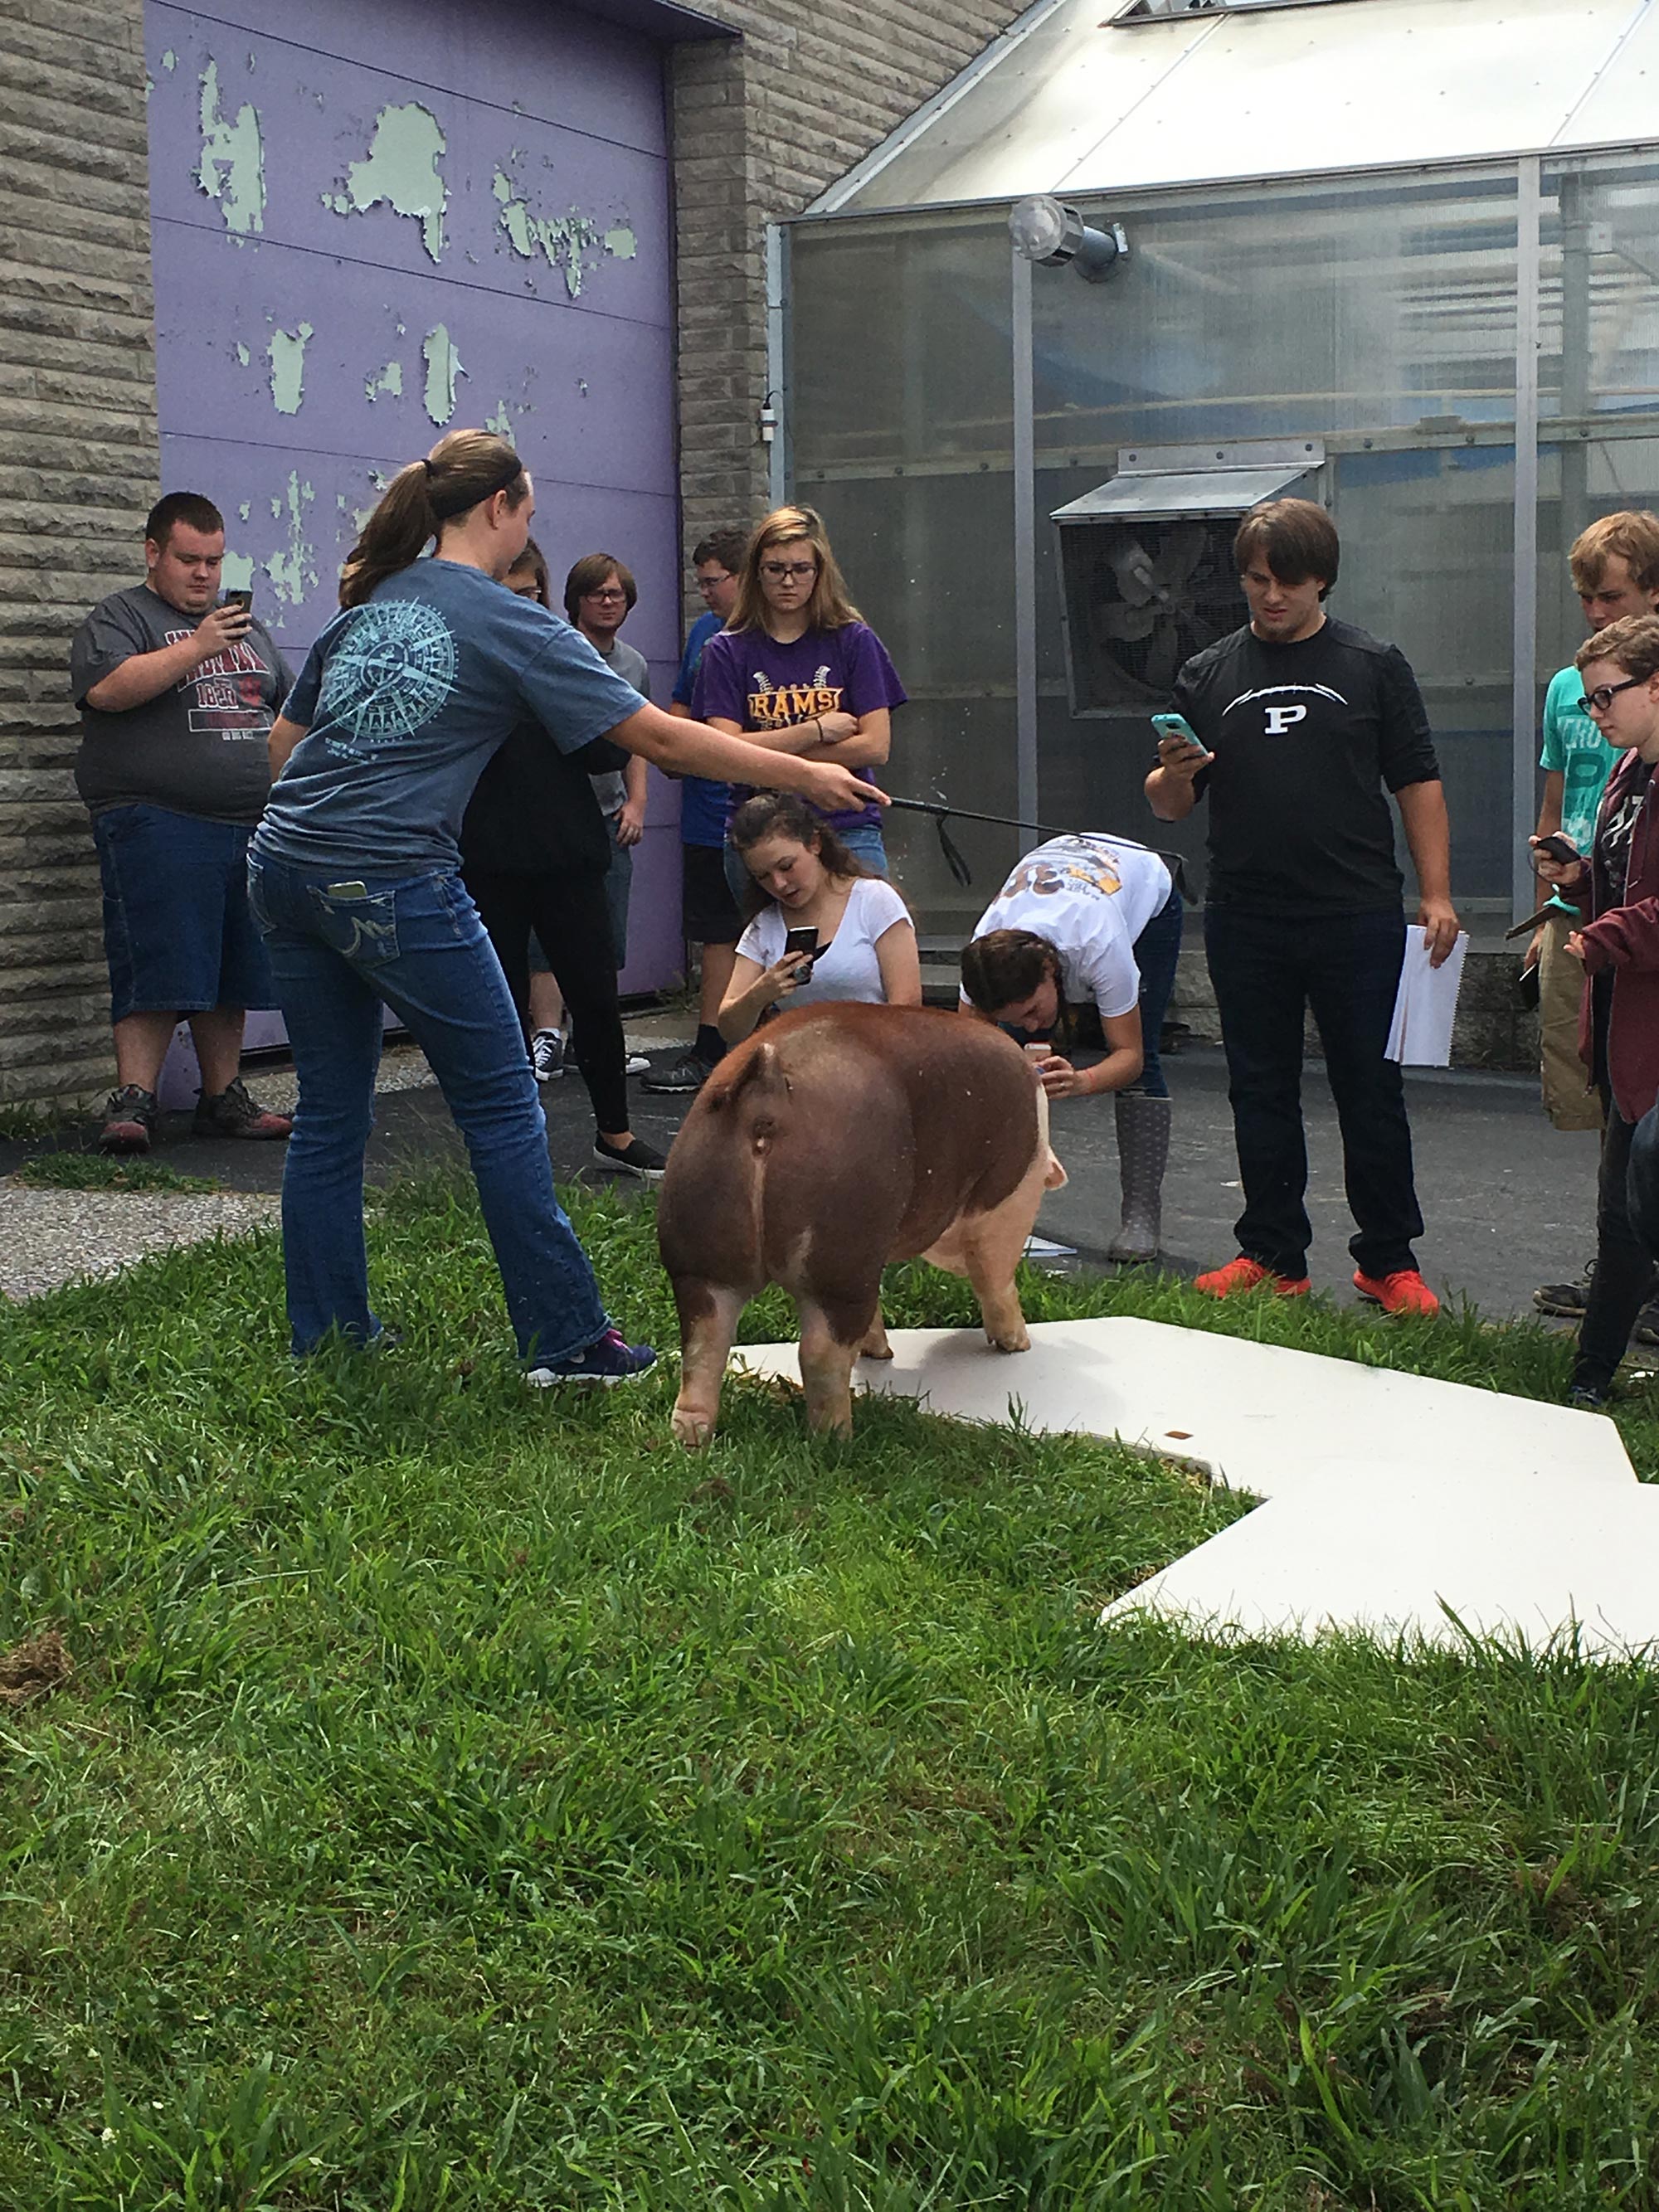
{"type": "Point", "coordinates": [462, 471]}
{"type": "Point", "coordinates": [726, 546]}
{"type": "Point", "coordinates": [783, 814]}
{"type": "Point", "coordinates": [1295, 539]}
{"type": "Point", "coordinates": [1631, 643]}
{"type": "Point", "coordinates": [589, 573]}
{"type": "Point", "coordinates": [535, 560]}
{"type": "Point", "coordinates": [1005, 966]}
{"type": "Point", "coordinates": [176, 507]}
{"type": "Point", "coordinates": [1632, 536]}
{"type": "Point", "coordinates": [828, 608]}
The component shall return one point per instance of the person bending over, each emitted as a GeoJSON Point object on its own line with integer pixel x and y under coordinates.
{"type": "Point", "coordinates": [1092, 917]}
{"type": "Point", "coordinates": [354, 883]}
{"type": "Point", "coordinates": [802, 877]}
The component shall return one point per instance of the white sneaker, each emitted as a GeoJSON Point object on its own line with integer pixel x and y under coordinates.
{"type": "Point", "coordinates": [635, 1064]}
{"type": "Point", "coordinates": [547, 1055]}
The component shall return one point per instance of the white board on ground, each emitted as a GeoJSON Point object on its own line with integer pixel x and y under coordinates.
{"type": "Point", "coordinates": [1253, 1416]}
{"type": "Point", "coordinates": [1393, 1502]}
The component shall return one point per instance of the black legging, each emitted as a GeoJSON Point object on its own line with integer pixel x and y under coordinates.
{"type": "Point", "coordinates": [1626, 1228]}
{"type": "Point", "coordinates": [568, 913]}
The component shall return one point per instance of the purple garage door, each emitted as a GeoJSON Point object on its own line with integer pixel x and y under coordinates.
{"type": "Point", "coordinates": [372, 222]}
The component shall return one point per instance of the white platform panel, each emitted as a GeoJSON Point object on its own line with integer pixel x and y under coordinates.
{"type": "Point", "coordinates": [1392, 1502]}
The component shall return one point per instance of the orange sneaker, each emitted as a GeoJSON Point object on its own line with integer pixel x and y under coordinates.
{"type": "Point", "coordinates": [1404, 1291]}
{"type": "Point", "coordinates": [1247, 1274]}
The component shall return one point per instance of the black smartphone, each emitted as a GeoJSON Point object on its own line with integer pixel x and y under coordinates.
{"type": "Point", "coordinates": [801, 941]}
{"type": "Point", "coordinates": [240, 598]}
{"type": "Point", "coordinates": [1558, 849]}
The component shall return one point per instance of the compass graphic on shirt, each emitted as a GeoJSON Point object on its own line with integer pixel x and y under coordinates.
{"type": "Point", "coordinates": [392, 672]}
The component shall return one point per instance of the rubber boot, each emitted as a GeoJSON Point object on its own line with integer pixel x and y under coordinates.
{"type": "Point", "coordinates": [1143, 1154]}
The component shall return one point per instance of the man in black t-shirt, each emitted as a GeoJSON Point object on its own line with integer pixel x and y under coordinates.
{"type": "Point", "coordinates": [1305, 723]}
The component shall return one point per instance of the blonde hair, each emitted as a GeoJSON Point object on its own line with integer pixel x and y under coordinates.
{"type": "Point", "coordinates": [1631, 643]}
{"type": "Point", "coordinates": [1632, 536]}
{"type": "Point", "coordinates": [828, 608]}
{"type": "Point", "coordinates": [462, 470]}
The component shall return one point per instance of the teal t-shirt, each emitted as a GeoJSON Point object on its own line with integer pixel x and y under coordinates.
{"type": "Point", "coordinates": [1575, 749]}
{"type": "Point", "coordinates": [404, 698]}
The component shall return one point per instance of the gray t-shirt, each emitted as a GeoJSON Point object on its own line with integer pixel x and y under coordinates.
{"type": "Point", "coordinates": [630, 664]}
{"type": "Point", "coordinates": [404, 698]}
{"type": "Point", "coordinates": [197, 749]}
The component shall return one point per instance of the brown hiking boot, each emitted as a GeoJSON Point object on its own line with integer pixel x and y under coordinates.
{"type": "Point", "coordinates": [129, 1120]}
{"type": "Point", "coordinates": [234, 1113]}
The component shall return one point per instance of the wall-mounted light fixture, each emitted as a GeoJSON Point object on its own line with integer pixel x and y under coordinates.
{"type": "Point", "coordinates": [1046, 231]}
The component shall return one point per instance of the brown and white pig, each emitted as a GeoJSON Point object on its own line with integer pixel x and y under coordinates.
{"type": "Point", "coordinates": [835, 1139]}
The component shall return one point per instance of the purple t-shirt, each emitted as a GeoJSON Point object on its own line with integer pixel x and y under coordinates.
{"type": "Point", "coordinates": [749, 678]}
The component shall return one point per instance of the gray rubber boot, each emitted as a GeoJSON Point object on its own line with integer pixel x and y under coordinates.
{"type": "Point", "coordinates": [1143, 1154]}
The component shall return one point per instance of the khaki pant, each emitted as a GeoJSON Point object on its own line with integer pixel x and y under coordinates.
{"type": "Point", "coordinates": [1569, 1100]}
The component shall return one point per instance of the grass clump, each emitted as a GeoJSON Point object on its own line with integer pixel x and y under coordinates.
{"type": "Point", "coordinates": [460, 1797]}
{"type": "Point", "coordinates": [94, 1171]}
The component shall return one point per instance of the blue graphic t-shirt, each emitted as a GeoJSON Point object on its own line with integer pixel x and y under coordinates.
{"type": "Point", "coordinates": [1575, 749]}
{"type": "Point", "coordinates": [404, 698]}
{"type": "Point", "coordinates": [703, 804]}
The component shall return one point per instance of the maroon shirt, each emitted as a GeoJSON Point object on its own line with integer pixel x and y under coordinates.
{"type": "Point", "coordinates": [1623, 936]}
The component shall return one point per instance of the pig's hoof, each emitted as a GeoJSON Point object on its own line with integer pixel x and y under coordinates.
{"type": "Point", "coordinates": [693, 1430]}
{"type": "Point", "coordinates": [1013, 1339]}
{"type": "Point", "coordinates": [876, 1347]}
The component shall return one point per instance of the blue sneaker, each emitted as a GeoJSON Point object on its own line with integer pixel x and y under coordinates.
{"type": "Point", "coordinates": [608, 1359]}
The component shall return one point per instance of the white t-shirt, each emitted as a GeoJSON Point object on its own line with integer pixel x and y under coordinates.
{"type": "Point", "coordinates": [1090, 896]}
{"type": "Point", "coordinates": [848, 967]}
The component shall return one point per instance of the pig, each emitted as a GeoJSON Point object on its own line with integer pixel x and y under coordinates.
{"type": "Point", "coordinates": [837, 1138]}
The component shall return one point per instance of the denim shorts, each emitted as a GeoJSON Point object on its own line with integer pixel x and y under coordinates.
{"type": "Point", "coordinates": [178, 935]}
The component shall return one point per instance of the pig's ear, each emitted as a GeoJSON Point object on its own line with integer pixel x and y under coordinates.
{"type": "Point", "coordinates": [1056, 1178]}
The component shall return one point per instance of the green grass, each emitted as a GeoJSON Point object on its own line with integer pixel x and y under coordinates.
{"type": "Point", "coordinates": [463, 1798]}
{"type": "Point", "coordinates": [94, 1171]}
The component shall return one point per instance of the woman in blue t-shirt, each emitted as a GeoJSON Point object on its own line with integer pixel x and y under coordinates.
{"type": "Point", "coordinates": [799, 671]}
{"type": "Point", "coordinates": [354, 882]}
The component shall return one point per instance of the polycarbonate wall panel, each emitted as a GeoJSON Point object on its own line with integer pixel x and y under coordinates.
{"type": "Point", "coordinates": [901, 382]}
{"type": "Point", "coordinates": [1378, 316]}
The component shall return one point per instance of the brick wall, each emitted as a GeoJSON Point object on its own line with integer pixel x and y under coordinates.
{"type": "Point", "coordinates": [78, 467]}
{"type": "Point", "coordinates": [762, 126]}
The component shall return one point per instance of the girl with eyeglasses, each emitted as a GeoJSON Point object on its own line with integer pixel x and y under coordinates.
{"type": "Point", "coordinates": [1617, 884]}
{"type": "Point", "coordinates": [798, 670]}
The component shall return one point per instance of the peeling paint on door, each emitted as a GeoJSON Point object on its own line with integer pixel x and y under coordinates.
{"type": "Point", "coordinates": [243, 355]}
{"type": "Point", "coordinates": [573, 244]}
{"type": "Point", "coordinates": [236, 570]}
{"type": "Point", "coordinates": [293, 570]}
{"type": "Point", "coordinates": [389, 379]}
{"type": "Point", "coordinates": [232, 169]}
{"type": "Point", "coordinates": [499, 423]}
{"type": "Point", "coordinates": [287, 368]}
{"type": "Point", "coordinates": [443, 367]}
{"type": "Point", "coordinates": [402, 170]}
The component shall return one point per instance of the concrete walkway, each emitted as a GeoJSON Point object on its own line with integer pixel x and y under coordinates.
{"type": "Point", "coordinates": [1508, 1203]}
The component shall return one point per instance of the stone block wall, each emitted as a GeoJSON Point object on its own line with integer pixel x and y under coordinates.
{"type": "Point", "coordinates": [79, 461]}
{"type": "Point", "coordinates": [761, 126]}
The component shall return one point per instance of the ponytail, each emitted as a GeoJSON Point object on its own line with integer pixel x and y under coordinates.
{"type": "Point", "coordinates": [462, 471]}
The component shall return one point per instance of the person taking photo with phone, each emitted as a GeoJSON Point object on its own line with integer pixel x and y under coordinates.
{"type": "Point", "coordinates": [821, 925]}
{"type": "Point", "coordinates": [178, 688]}
{"type": "Point", "coordinates": [354, 880]}
{"type": "Point", "coordinates": [1304, 726]}
{"type": "Point", "coordinates": [1616, 887]}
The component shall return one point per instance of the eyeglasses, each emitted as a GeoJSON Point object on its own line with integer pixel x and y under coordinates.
{"type": "Point", "coordinates": [713, 583]}
{"type": "Point", "coordinates": [1602, 697]}
{"type": "Point", "coordinates": [775, 571]}
{"type": "Point", "coordinates": [615, 592]}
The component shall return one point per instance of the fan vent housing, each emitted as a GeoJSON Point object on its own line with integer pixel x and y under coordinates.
{"type": "Point", "coordinates": [1146, 562]}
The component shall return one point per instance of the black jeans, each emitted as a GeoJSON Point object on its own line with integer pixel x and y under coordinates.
{"type": "Point", "coordinates": [570, 915]}
{"type": "Point", "coordinates": [1626, 1240]}
{"type": "Point", "coordinates": [1267, 969]}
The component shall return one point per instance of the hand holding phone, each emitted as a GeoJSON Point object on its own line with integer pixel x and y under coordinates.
{"type": "Point", "coordinates": [1558, 849]}
{"type": "Point", "coordinates": [1180, 748]}
{"type": "Point", "coordinates": [802, 945]}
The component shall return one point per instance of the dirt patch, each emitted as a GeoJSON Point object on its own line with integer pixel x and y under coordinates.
{"type": "Point", "coordinates": [37, 1667]}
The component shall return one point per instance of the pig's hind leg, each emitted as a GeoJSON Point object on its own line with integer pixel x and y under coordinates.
{"type": "Point", "coordinates": [709, 1320]}
{"type": "Point", "coordinates": [832, 1334]}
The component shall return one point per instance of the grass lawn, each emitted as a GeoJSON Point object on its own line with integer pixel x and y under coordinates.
{"type": "Point", "coordinates": [462, 1798]}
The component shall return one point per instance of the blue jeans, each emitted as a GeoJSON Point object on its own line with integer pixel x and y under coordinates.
{"type": "Point", "coordinates": [1267, 969]}
{"type": "Point", "coordinates": [1157, 950]}
{"type": "Point", "coordinates": [340, 949]}
{"type": "Point", "coordinates": [176, 932]}
{"type": "Point", "coordinates": [864, 842]}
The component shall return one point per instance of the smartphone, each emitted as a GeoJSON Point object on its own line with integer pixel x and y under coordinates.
{"type": "Point", "coordinates": [1177, 726]}
{"type": "Point", "coordinates": [801, 941]}
{"type": "Point", "coordinates": [240, 597]}
{"type": "Point", "coordinates": [1558, 847]}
